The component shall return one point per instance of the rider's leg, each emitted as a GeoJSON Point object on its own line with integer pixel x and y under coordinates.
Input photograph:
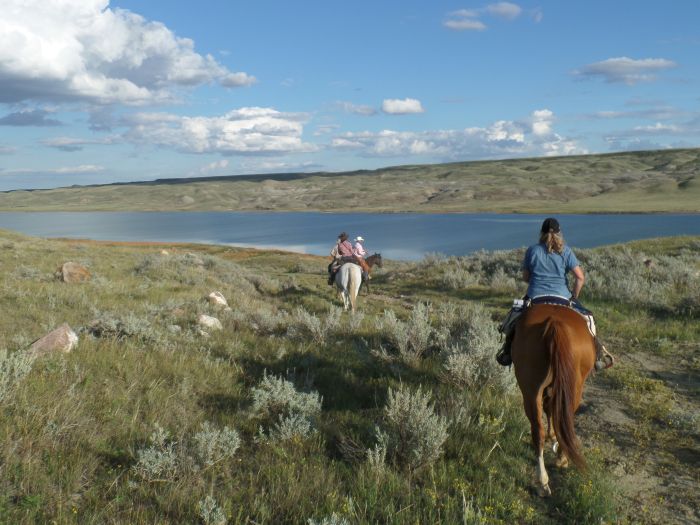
{"type": "Point", "coordinates": [503, 356]}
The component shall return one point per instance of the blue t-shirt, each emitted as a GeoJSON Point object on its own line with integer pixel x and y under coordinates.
{"type": "Point", "coordinates": [548, 271]}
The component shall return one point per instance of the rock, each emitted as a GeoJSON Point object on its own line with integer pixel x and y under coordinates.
{"type": "Point", "coordinates": [62, 339]}
{"type": "Point", "coordinates": [164, 252]}
{"type": "Point", "coordinates": [206, 321]}
{"type": "Point", "coordinates": [72, 272]}
{"type": "Point", "coordinates": [217, 299]}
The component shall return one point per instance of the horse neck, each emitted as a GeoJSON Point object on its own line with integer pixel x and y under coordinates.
{"type": "Point", "coordinates": [372, 260]}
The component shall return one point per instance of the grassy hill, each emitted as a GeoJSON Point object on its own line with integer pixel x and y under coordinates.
{"type": "Point", "coordinates": [645, 181]}
{"type": "Point", "coordinates": [295, 412]}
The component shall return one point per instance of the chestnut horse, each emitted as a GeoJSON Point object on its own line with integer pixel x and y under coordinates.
{"type": "Point", "coordinates": [371, 261]}
{"type": "Point", "coordinates": [553, 352]}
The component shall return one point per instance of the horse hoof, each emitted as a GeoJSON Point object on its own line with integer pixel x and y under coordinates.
{"type": "Point", "coordinates": [543, 491]}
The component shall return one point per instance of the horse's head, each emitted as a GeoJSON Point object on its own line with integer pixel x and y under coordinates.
{"type": "Point", "coordinates": [378, 260]}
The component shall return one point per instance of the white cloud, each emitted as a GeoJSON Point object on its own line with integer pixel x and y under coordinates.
{"type": "Point", "coordinates": [395, 106]}
{"type": "Point", "coordinates": [77, 144]}
{"type": "Point", "coordinates": [7, 150]}
{"type": "Point", "coordinates": [357, 109]}
{"type": "Point", "coordinates": [626, 70]}
{"type": "Point", "coordinates": [542, 120]}
{"type": "Point", "coordinates": [470, 19]}
{"type": "Point", "coordinates": [531, 137]}
{"type": "Point", "coordinates": [506, 10]}
{"type": "Point", "coordinates": [243, 131]}
{"type": "Point", "coordinates": [83, 50]}
{"type": "Point", "coordinates": [658, 113]}
{"type": "Point", "coordinates": [66, 170]}
{"type": "Point", "coordinates": [464, 24]}
{"type": "Point", "coordinates": [212, 167]}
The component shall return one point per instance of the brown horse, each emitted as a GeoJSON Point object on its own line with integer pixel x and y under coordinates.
{"type": "Point", "coordinates": [373, 260]}
{"type": "Point", "coordinates": [553, 353]}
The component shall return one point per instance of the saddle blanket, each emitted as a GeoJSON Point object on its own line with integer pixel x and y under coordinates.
{"type": "Point", "coordinates": [519, 306]}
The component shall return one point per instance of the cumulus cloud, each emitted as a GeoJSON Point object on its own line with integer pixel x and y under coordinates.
{"type": "Point", "coordinates": [70, 50]}
{"type": "Point", "coordinates": [626, 70]}
{"type": "Point", "coordinates": [470, 19]}
{"type": "Point", "coordinates": [29, 117]}
{"type": "Point", "coordinates": [396, 106]}
{"type": "Point", "coordinates": [243, 131]}
{"type": "Point", "coordinates": [504, 138]}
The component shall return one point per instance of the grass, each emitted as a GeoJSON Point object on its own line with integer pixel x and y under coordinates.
{"type": "Point", "coordinates": [242, 437]}
{"type": "Point", "coordinates": [644, 181]}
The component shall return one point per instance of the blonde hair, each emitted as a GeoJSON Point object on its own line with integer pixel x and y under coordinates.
{"type": "Point", "coordinates": [553, 241]}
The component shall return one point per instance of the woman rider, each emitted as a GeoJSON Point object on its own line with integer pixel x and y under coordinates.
{"type": "Point", "coordinates": [341, 253]}
{"type": "Point", "coordinates": [544, 268]}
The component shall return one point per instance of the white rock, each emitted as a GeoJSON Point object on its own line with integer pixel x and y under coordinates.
{"type": "Point", "coordinates": [62, 339]}
{"type": "Point", "coordinates": [164, 252]}
{"type": "Point", "coordinates": [207, 321]}
{"type": "Point", "coordinates": [217, 299]}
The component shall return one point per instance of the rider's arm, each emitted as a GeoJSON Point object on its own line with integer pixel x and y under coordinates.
{"type": "Point", "coordinates": [526, 275]}
{"type": "Point", "coordinates": [579, 279]}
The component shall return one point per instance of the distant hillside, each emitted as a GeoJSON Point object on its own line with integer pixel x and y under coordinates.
{"type": "Point", "coordinates": [644, 181]}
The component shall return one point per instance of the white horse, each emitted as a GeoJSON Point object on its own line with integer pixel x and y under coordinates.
{"type": "Point", "coordinates": [348, 280]}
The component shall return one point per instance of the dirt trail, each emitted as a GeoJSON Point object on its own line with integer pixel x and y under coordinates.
{"type": "Point", "coordinates": [658, 474]}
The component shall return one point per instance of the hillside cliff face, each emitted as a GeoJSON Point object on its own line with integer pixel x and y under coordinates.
{"type": "Point", "coordinates": [645, 181]}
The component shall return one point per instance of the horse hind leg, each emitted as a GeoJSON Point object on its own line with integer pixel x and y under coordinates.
{"type": "Point", "coordinates": [533, 410]}
{"type": "Point", "coordinates": [547, 404]}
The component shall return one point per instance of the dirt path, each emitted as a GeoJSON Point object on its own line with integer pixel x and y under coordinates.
{"type": "Point", "coordinates": [657, 467]}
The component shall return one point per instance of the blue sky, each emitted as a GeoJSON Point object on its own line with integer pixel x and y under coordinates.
{"type": "Point", "coordinates": [96, 91]}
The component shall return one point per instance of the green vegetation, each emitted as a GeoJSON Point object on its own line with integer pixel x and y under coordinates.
{"type": "Point", "coordinates": [296, 412]}
{"type": "Point", "coordinates": [644, 181]}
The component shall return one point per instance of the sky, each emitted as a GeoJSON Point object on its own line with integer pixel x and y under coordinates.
{"type": "Point", "coordinates": [100, 91]}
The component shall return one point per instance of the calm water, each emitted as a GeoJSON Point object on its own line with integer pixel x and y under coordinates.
{"type": "Point", "coordinates": [396, 236]}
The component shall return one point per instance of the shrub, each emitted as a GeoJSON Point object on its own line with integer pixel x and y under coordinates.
{"type": "Point", "coordinates": [333, 519]}
{"type": "Point", "coordinates": [14, 368]}
{"type": "Point", "coordinates": [411, 338]}
{"type": "Point", "coordinates": [109, 325]}
{"type": "Point", "coordinates": [289, 413]}
{"type": "Point", "coordinates": [470, 361]}
{"type": "Point", "coordinates": [165, 460]}
{"type": "Point", "coordinates": [293, 426]}
{"type": "Point", "coordinates": [316, 328]}
{"type": "Point", "coordinates": [212, 445]}
{"type": "Point", "coordinates": [158, 462]}
{"type": "Point", "coordinates": [411, 431]}
{"type": "Point", "coordinates": [210, 512]}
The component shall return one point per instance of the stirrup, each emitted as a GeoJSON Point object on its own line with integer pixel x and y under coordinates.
{"type": "Point", "coordinates": [603, 358]}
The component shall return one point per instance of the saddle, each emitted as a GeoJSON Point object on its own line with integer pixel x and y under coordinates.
{"type": "Point", "coordinates": [520, 305]}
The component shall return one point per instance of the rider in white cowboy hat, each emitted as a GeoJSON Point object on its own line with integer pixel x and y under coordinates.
{"type": "Point", "coordinates": [359, 251]}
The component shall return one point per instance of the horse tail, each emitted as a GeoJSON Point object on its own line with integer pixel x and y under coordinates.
{"type": "Point", "coordinates": [561, 357]}
{"type": "Point", "coordinates": [352, 287]}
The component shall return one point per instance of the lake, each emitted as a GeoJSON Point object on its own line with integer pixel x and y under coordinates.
{"type": "Point", "coordinates": [405, 236]}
